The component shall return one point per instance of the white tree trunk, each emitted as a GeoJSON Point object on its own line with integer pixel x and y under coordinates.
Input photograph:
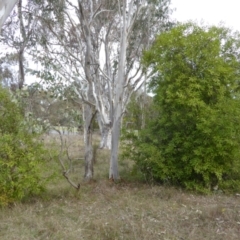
{"type": "Point", "coordinates": [105, 85]}
{"type": "Point", "coordinates": [88, 117]}
{"type": "Point", "coordinates": [118, 101]}
{"type": "Point", "coordinates": [106, 134]}
{"type": "Point", "coordinates": [113, 170]}
{"type": "Point", "coordinates": [21, 78]}
{"type": "Point", "coordinates": [6, 7]}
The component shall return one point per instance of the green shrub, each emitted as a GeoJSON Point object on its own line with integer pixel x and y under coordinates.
{"type": "Point", "coordinates": [21, 155]}
{"type": "Point", "coordinates": [194, 140]}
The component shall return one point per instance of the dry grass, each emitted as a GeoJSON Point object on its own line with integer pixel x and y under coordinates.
{"type": "Point", "coordinates": [127, 210]}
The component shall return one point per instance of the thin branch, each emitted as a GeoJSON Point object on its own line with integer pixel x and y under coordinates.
{"type": "Point", "coordinates": [80, 95]}
{"type": "Point", "coordinates": [95, 13]}
{"type": "Point", "coordinates": [104, 10]}
{"type": "Point", "coordinates": [129, 80]}
{"type": "Point", "coordinates": [65, 172]}
{"type": "Point", "coordinates": [139, 8]}
{"type": "Point", "coordinates": [104, 74]}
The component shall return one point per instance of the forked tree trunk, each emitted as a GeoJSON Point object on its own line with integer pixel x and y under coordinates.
{"type": "Point", "coordinates": [106, 133]}
{"type": "Point", "coordinates": [106, 137]}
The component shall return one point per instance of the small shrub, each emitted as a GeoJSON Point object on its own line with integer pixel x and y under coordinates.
{"type": "Point", "coordinates": [21, 154]}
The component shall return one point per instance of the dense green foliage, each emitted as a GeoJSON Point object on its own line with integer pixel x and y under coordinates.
{"type": "Point", "coordinates": [21, 155]}
{"type": "Point", "coordinates": [194, 141]}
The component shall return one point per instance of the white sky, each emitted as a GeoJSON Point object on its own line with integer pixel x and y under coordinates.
{"type": "Point", "coordinates": [209, 11]}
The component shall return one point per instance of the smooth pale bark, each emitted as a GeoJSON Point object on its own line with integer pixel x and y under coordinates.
{"type": "Point", "coordinates": [106, 134]}
{"type": "Point", "coordinates": [109, 83]}
{"type": "Point", "coordinates": [88, 108]}
{"type": "Point", "coordinates": [118, 100]}
{"type": "Point", "coordinates": [113, 170]}
{"type": "Point", "coordinates": [21, 78]}
{"type": "Point", "coordinates": [88, 118]}
{"type": "Point", "coordinates": [6, 7]}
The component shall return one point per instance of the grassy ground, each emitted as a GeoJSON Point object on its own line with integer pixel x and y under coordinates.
{"type": "Point", "coordinates": [109, 211]}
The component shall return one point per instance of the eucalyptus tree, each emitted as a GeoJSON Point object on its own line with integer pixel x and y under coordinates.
{"type": "Point", "coordinates": [18, 34]}
{"type": "Point", "coordinates": [98, 46]}
{"type": "Point", "coordinates": [127, 31]}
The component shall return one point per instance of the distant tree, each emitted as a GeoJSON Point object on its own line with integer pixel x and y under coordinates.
{"type": "Point", "coordinates": [58, 108]}
{"type": "Point", "coordinates": [138, 107]}
{"type": "Point", "coordinates": [195, 139]}
{"type": "Point", "coordinates": [7, 77]}
{"type": "Point", "coordinates": [20, 35]}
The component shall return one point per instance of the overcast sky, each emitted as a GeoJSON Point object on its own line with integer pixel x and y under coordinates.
{"type": "Point", "coordinates": [210, 11]}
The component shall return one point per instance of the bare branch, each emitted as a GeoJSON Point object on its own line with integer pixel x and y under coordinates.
{"type": "Point", "coordinates": [80, 94]}
{"type": "Point", "coordinates": [65, 172]}
{"type": "Point", "coordinates": [77, 186]}
{"type": "Point", "coordinates": [136, 73]}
